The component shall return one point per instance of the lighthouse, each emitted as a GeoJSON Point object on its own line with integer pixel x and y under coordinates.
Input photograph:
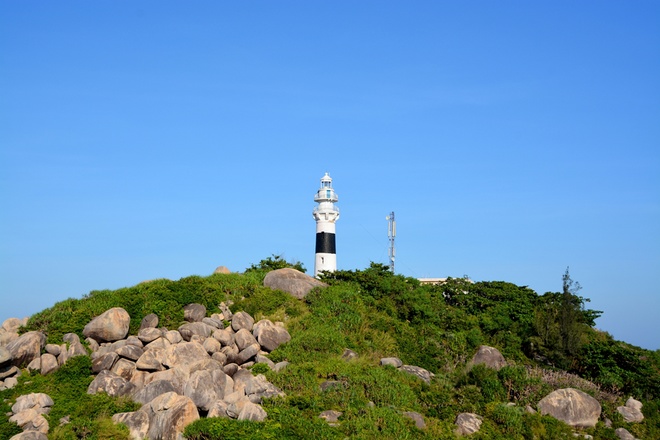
{"type": "Point", "coordinates": [326, 214]}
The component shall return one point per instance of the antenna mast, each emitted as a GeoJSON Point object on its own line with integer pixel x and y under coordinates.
{"type": "Point", "coordinates": [391, 233]}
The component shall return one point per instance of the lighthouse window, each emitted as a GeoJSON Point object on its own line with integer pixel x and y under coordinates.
{"type": "Point", "coordinates": [327, 193]}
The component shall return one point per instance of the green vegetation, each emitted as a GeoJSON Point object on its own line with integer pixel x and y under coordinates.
{"type": "Point", "coordinates": [549, 341]}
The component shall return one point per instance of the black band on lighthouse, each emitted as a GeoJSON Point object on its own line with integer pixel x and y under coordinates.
{"type": "Point", "coordinates": [325, 243]}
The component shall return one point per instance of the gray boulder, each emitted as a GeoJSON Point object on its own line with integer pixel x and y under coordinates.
{"type": "Point", "coordinates": [5, 357]}
{"type": "Point", "coordinates": [269, 335]}
{"type": "Point", "coordinates": [252, 411]}
{"type": "Point", "coordinates": [185, 354]}
{"type": "Point", "coordinates": [420, 372]}
{"type": "Point", "coordinates": [111, 325]}
{"type": "Point", "coordinates": [417, 418]}
{"type": "Point", "coordinates": [488, 356]}
{"type": "Point", "coordinates": [392, 362]}
{"type": "Point", "coordinates": [195, 329]}
{"type": "Point", "coordinates": [571, 406]}
{"type": "Point", "coordinates": [137, 423]}
{"type": "Point", "coordinates": [242, 320]}
{"type": "Point", "coordinates": [632, 411]}
{"type": "Point", "coordinates": [48, 363]}
{"type": "Point", "coordinates": [153, 390]}
{"type": "Point", "coordinates": [221, 269]}
{"type": "Point", "coordinates": [149, 334]}
{"type": "Point", "coordinates": [292, 281]}
{"type": "Point", "coordinates": [169, 414]}
{"type": "Point", "coordinates": [110, 383]}
{"type": "Point", "coordinates": [30, 435]}
{"type": "Point", "coordinates": [40, 402]}
{"type": "Point", "coordinates": [624, 434]}
{"type": "Point", "coordinates": [467, 423]}
{"type": "Point", "coordinates": [194, 312]}
{"type": "Point", "coordinates": [26, 348]}
{"type": "Point", "coordinates": [149, 321]}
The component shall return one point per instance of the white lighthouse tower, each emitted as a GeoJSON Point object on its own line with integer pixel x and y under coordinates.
{"type": "Point", "coordinates": [326, 214]}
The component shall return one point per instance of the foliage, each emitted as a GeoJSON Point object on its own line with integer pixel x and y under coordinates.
{"type": "Point", "coordinates": [274, 262]}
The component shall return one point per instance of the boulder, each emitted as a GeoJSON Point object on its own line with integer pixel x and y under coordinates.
{"type": "Point", "coordinates": [253, 412]}
{"type": "Point", "coordinates": [420, 372]}
{"type": "Point", "coordinates": [632, 411]}
{"type": "Point", "coordinates": [75, 346]}
{"type": "Point", "coordinates": [130, 352]}
{"type": "Point", "coordinates": [219, 409]}
{"type": "Point", "coordinates": [244, 338]}
{"type": "Point", "coordinates": [111, 325]}
{"type": "Point", "coordinates": [5, 357]}
{"type": "Point", "coordinates": [149, 334]}
{"type": "Point", "coordinates": [169, 414]}
{"type": "Point", "coordinates": [624, 434]}
{"type": "Point", "coordinates": [417, 418]}
{"type": "Point", "coordinates": [110, 383]}
{"type": "Point", "coordinates": [488, 356]}
{"type": "Point", "coordinates": [467, 423]}
{"type": "Point", "coordinates": [185, 354]}
{"type": "Point", "coordinates": [221, 269]}
{"type": "Point", "coordinates": [194, 312]}
{"type": "Point", "coordinates": [39, 402]}
{"type": "Point", "coordinates": [331, 416]}
{"type": "Point", "coordinates": [137, 423]}
{"type": "Point", "coordinates": [48, 363]}
{"type": "Point", "coordinates": [195, 329]}
{"type": "Point", "coordinates": [149, 321]}
{"type": "Point", "coordinates": [292, 281]}
{"type": "Point", "coordinates": [242, 320]}
{"type": "Point", "coordinates": [13, 324]}
{"type": "Point", "coordinates": [26, 348]}
{"type": "Point", "coordinates": [571, 406]}
{"type": "Point", "coordinates": [153, 390]}
{"type": "Point", "coordinates": [104, 362]}
{"type": "Point", "coordinates": [392, 362]}
{"type": "Point", "coordinates": [269, 335]}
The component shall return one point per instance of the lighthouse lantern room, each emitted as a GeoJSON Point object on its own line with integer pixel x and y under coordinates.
{"type": "Point", "coordinates": [325, 214]}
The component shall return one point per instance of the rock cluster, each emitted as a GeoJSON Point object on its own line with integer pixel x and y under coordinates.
{"type": "Point", "coordinates": [17, 351]}
{"type": "Point", "coordinates": [28, 413]}
{"type": "Point", "coordinates": [179, 375]}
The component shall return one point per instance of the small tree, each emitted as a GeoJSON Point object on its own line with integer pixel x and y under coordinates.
{"type": "Point", "coordinates": [272, 263]}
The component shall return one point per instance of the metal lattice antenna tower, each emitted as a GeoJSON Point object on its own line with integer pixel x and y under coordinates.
{"type": "Point", "coordinates": [391, 234]}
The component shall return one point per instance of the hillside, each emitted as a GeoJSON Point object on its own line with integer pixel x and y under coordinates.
{"type": "Point", "coordinates": [549, 343]}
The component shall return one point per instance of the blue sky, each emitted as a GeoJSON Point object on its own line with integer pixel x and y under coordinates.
{"type": "Point", "coordinates": [142, 140]}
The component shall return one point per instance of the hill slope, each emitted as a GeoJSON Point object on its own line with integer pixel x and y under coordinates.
{"type": "Point", "coordinates": [376, 315]}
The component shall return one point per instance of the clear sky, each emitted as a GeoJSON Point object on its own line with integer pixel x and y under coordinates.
{"type": "Point", "coordinates": [155, 139]}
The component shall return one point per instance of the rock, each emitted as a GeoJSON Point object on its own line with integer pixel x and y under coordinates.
{"type": "Point", "coordinates": [221, 269]}
{"type": "Point", "coordinates": [153, 390]}
{"type": "Point", "coordinates": [252, 411]}
{"type": "Point", "coordinates": [280, 366]}
{"type": "Point", "coordinates": [571, 406]}
{"type": "Point", "coordinates": [269, 335]}
{"type": "Point", "coordinates": [130, 352]}
{"type": "Point", "coordinates": [137, 423]}
{"type": "Point", "coordinates": [224, 308]}
{"type": "Point", "coordinates": [417, 418]}
{"type": "Point", "coordinates": [218, 409]}
{"type": "Point", "coordinates": [7, 337]}
{"type": "Point", "coordinates": [149, 321]}
{"type": "Point", "coordinates": [195, 328]}
{"type": "Point", "coordinates": [467, 423]}
{"type": "Point", "coordinates": [10, 382]}
{"type": "Point", "coordinates": [5, 357]}
{"type": "Point", "coordinates": [185, 354]}
{"type": "Point", "coordinates": [211, 345]}
{"type": "Point", "coordinates": [48, 363]}
{"type": "Point", "coordinates": [169, 414]}
{"type": "Point", "coordinates": [104, 362]}
{"type": "Point", "coordinates": [205, 387]}
{"type": "Point", "coordinates": [124, 368]}
{"type": "Point", "coordinates": [349, 354]}
{"type": "Point", "coordinates": [194, 312]}
{"type": "Point", "coordinates": [420, 372]}
{"type": "Point", "coordinates": [53, 349]}
{"type": "Point", "coordinates": [248, 353]}
{"type": "Point", "coordinates": [624, 434]}
{"type": "Point", "coordinates": [632, 411]}
{"type": "Point", "coordinates": [30, 435]}
{"type": "Point", "coordinates": [225, 337]}
{"type": "Point", "coordinates": [331, 416]}
{"type": "Point", "coordinates": [292, 281]}
{"type": "Point", "coordinates": [242, 320]}
{"type": "Point", "coordinates": [488, 356]}
{"type": "Point", "coordinates": [111, 325]}
{"type": "Point", "coordinates": [12, 324]}
{"type": "Point", "coordinates": [75, 347]}
{"type": "Point", "coordinates": [40, 402]}
{"type": "Point", "coordinates": [110, 383]}
{"type": "Point", "coordinates": [149, 334]}
{"type": "Point", "coordinates": [244, 338]}
{"type": "Point", "coordinates": [392, 361]}
{"type": "Point", "coordinates": [261, 359]}
{"type": "Point", "coordinates": [151, 360]}
{"type": "Point", "coordinates": [213, 322]}
{"type": "Point", "coordinates": [26, 348]}
{"type": "Point", "coordinates": [173, 336]}
{"type": "Point", "coordinates": [9, 371]}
